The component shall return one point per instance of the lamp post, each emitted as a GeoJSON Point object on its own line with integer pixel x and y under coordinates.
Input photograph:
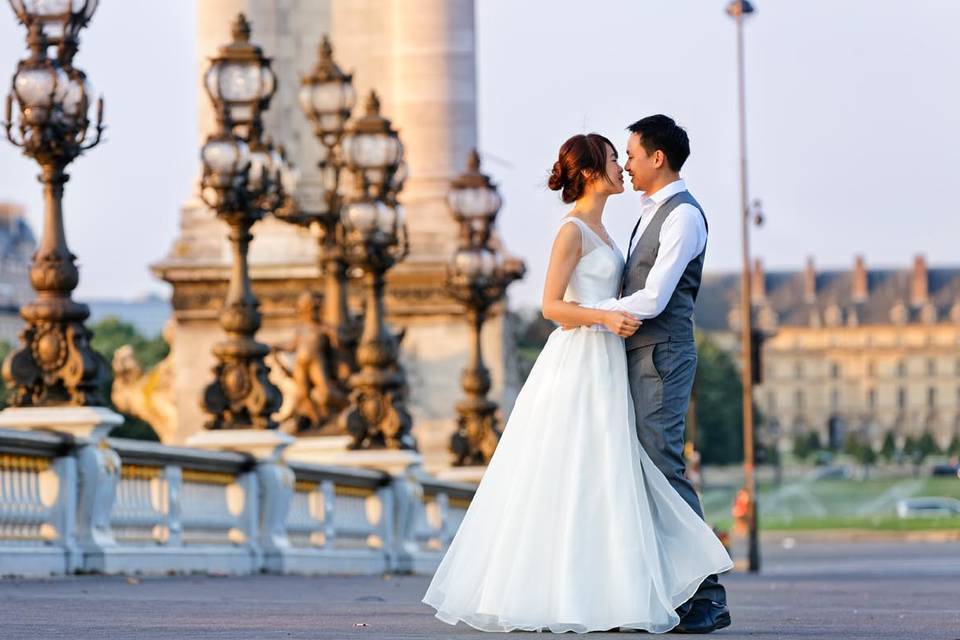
{"type": "Point", "coordinates": [478, 278]}
{"type": "Point", "coordinates": [327, 98]}
{"type": "Point", "coordinates": [241, 182]}
{"type": "Point", "coordinates": [375, 239]}
{"type": "Point", "coordinates": [738, 10]}
{"type": "Point", "coordinates": [54, 364]}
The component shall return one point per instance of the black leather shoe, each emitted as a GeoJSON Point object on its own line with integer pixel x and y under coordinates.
{"type": "Point", "coordinates": [704, 616]}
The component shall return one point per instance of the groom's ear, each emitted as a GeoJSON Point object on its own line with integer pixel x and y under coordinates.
{"type": "Point", "coordinates": [659, 158]}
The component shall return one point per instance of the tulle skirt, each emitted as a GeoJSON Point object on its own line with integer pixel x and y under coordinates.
{"type": "Point", "coordinates": [573, 527]}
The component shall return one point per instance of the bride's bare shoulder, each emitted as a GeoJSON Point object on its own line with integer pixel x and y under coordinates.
{"type": "Point", "coordinates": [569, 237]}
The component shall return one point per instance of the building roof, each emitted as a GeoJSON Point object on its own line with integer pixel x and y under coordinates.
{"type": "Point", "coordinates": [915, 294]}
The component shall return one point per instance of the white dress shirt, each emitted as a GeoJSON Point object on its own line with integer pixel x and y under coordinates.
{"type": "Point", "coordinates": [682, 237]}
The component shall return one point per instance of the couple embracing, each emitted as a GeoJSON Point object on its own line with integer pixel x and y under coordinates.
{"type": "Point", "coordinates": [585, 519]}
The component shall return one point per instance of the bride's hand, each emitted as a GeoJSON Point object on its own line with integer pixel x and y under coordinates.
{"type": "Point", "coordinates": [621, 323]}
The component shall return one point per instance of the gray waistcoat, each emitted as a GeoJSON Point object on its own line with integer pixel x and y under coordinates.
{"type": "Point", "coordinates": [675, 322]}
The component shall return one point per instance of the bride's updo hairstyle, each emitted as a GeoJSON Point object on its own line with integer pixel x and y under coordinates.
{"type": "Point", "coordinates": [581, 154]}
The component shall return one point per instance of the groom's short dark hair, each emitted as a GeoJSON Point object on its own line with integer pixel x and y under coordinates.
{"type": "Point", "coordinates": [661, 132]}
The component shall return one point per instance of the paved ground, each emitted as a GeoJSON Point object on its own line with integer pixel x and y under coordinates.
{"type": "Point", "coordinates": [811, 590]}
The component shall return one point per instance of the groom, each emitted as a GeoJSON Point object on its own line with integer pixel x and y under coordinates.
{"type": "Point", "coordinates": [659, 286]}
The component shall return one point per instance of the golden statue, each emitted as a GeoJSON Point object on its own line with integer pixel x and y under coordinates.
{"type": "Point", "coordinates": [315, 396]}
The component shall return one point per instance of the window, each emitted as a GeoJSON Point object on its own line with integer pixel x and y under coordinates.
{"type": "Point", "coordinates": [871, 399]}
{"type": "Point", "coordinates": [931, 367]}
{"type": "Point", "coordinates": [834, 370]}
{"type": "Point", "coordinates": [798, 399]}
{"type": "Point", "coordinates": [901, 368]}
{"type": "Point", "coordinates": [931, 397]}
{"type": "Point", "coordinates": [901, 398]}
{"type": "Point", "coordinates": [834, 399]}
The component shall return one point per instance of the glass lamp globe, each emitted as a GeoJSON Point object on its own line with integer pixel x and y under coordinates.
{"type": "Point", "coordinates": [225, 155]}
{"type": "Point", "coordinates": [58, 18]}
{"type": "Point", "coordinates": [361, 216]}
{"type": "Point", "coordinates": [240, 81]}
{"type": "Point", "coordinates": [472, 195]}
{"type": "Point", "coordinates": [372, 146]}
{"type": "Point", "coordinates": [327, 96]}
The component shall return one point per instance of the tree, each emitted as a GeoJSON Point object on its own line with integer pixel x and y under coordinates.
{"type": "Point", "coordinates": [109, 335]}
{"type": "Point", "coordinates": [532, 333]}
{"type": "Point", "coordinates": [719, 408]}
{"type": "Point", "coordinates": [889, 447]}
{"type": "Point", "coordinates": [801, 447]}
{"type": "Point", "coordinates": [5, 348]}
{"type": "Point", "coordinates": [927, 445]}
{"type": "Point", "coordinates": [953, 449]}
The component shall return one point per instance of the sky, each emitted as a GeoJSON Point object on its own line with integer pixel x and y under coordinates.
{"type": "Point", "coordinates": [853, 113]}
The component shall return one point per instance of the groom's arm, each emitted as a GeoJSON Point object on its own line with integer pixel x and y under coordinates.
{"type": "Point", "coordinates": [682, 238]}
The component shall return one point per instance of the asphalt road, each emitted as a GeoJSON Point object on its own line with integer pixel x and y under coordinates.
{"type": "Point", "coordinates": [812, 590]}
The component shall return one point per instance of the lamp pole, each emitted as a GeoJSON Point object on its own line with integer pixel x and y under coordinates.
{"type": "Point", "coordinates": [375, 240]}
{"type": "Point", "coordinates": [242, 182]}
{"type": "Point", "coordinates": [477, 277]}
{"type": "Point", "coordinates": [738, 10]}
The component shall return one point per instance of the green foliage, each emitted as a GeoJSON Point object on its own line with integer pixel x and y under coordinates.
{"type": "Point", "coordinates": [927, 445]}
{"type": "Point", "coordinates": [889, 447]}
{"type": "Point", "coordinates": [109, 335]}
{"type": "Point", "coordinates": [532, 331]}
{"type": "Point", "coordinates": [953, 449]}
{"type": "Point", "coordinates": [719, 405]}
{"type": "Point", "coordinates": [5, 348]}
{"type": "Point", "coordinates": [852, 444]}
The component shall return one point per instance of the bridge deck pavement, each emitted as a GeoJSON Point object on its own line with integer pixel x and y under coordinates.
{"type": "Point", "coordinates": [814, 590]}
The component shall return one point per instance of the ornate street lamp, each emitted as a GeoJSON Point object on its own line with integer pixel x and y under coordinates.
{"type": "Point", "coordinates": [478, 277]}
{"type": "Point", "coordinates": [375, 239]}
{"type": "Point", "coordinates": [54, 365]}
{"type": "Point", "coordinates": [327, 99]}
{"type": "Point", "coordinates": [739, 10]}
{"type": "Point", "coordinates": [242, 175]}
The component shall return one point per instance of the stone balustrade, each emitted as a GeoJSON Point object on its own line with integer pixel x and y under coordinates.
{"type": "Point", "coordinates": [127, 506]}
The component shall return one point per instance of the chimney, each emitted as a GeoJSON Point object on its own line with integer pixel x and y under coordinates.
{"type": "Point", "coordinates": [809, 281]}
{"type": "Point", "coordinates": [918, 281]}
{"type": "Point", "coordinates": [758, 283]}
{"type": "Point", "coordinates": [860, 288]}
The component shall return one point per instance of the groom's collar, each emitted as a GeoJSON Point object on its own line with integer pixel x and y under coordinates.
{"type": "Point", "coordinates": [659, 197]}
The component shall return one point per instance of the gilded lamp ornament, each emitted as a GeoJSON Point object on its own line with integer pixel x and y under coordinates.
{"type": "Point", "coordinates": [54, 364]}
{"type": "Point", "coordinates": [242, 181]}
{"type": "Point", "coordinates": [375, 239]}
{"type": "Point", "coordinates": [477, 277]}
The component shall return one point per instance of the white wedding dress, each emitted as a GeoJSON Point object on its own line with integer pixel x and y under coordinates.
{"type": "Point", "coordinates": [573, 527]}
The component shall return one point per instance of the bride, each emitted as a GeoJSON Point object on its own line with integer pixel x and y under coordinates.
{"type": "Point", "coordinates": [573, 527]}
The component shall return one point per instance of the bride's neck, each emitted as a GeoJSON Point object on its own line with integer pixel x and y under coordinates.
{"type": "Point", "coordinates": [590, 207]}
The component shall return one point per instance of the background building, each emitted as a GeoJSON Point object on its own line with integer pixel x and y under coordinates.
{"type": "Point", "coordinates": [865, 350]}
{"type": "Point", "coordinates": [17, 245]}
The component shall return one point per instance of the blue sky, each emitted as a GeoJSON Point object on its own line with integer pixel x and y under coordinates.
{"type": "Point", "coordinates": [853, 109]}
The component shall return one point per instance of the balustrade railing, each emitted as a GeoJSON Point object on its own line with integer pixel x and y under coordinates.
{"type": "Point", "coordinates": [160, 509]}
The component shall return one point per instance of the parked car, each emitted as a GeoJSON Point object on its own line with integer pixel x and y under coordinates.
{"type": "Point", "coordinates": [831, 473]}
{"type": "Point", "coordinates": [950, 470]}
{"type": "Point", "coordinates": [928, 507]}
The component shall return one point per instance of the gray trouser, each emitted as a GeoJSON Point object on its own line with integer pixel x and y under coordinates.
{"type": "Point", "coordinates": [661, 379]}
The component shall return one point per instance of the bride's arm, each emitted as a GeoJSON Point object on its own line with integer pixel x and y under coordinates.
{"type": "Point", "coordinates": [563, 260]}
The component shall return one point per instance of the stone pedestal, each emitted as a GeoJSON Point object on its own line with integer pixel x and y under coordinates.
{"type": "Point", "coordinates": [333, 451]}
{"type": "Point", "coordinates": [470, 475]}
{"type": "Point", "coordinates": [98, 471]}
